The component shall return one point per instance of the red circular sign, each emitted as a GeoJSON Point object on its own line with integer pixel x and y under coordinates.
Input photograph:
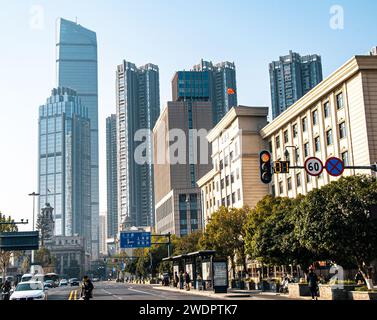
{"type": "Point", "coordinates": [313, 166]}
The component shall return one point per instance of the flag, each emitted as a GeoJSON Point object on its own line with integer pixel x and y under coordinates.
{"type": "Point", "coordinates": [231, 91]}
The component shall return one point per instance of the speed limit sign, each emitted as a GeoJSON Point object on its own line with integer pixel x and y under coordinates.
{"type": "Point", "coordinates": [314, 166]}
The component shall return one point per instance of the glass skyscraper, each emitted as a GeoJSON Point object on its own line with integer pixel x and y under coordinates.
{"type": "Point", "coordinates": [138, 107]}
{"type": "Point", "coordinates": [76, 65]}
{"type": "Point", "coordinates": [208, 82]}
{"type": "Point", "coordinates": [292, 77]}
{"type": "Point", "coordinates": [64, 162]}
{"type": "Point", "coordinates": [111, 176]}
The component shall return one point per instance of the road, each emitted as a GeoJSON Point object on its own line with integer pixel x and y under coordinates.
{"type": "Point", "coordinates": [121, 291]}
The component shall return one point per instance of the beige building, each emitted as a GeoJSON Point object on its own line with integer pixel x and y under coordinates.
{"type": "Point", "coordinates": [236, 143]}
{"type": "Point", "coordinates": [177, 197]}
{"type": "Point", "coordinates": [338, 118]}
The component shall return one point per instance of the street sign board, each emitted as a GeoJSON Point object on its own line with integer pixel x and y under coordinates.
{"type": "Point", "coordinates": [313, 166]}
{"type": "Point", "coordinates": [133, 240]}
{"type": "Point", "coordinates": [334, 167]}
{"type": "Point", "coordinates": [220, 276]}
{"type": "Point", "coordinates": [19, 241]}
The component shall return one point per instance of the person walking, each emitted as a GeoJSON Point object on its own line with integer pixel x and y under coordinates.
{"type": "Point", "coordinates": [176, 279]}
{"type": "Point", "coordinates": [181, 281]}
{"type": "Point", "coordinates": [187, 281]}
{"type": "Point", "coordinates": [312, 279]}
{"type": "Point", "coordinates": [87, 289]}
{"type": "Point", "coordinates": [5, 290]}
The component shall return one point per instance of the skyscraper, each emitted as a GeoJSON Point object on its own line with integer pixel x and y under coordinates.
{"type": "Point", "coordinates": [64, 163]}
{"type": "Point", "coordinates": [138, 107]}
{"type": "Point", "coordinates": [102, 234]}
{"type": "Point", "coordinates": [76, 65]}
{"type": "Point", "coordinates": [208, 82]}
{"type": "Point", "coordinates": [292, 77]}
{"type": "Point", "coordinates": [112, 179]}
{"type": "Point", "coordinates": [177, 196]}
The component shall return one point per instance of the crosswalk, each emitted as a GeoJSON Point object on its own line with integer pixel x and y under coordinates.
{"type": "Point", "coordinates": [74, 295]}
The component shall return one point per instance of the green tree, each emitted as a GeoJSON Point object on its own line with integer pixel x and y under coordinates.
{"type": "Point", "coordinates": [45, 227]}
{"type": "Point", "coordinates": [226, 234]}
{"type": "Point", "coordinates": [187, 244]}
{"type": "Point", "coordinates": [339, 222]}
{"type": "Point", "coordinates": [6, 255]}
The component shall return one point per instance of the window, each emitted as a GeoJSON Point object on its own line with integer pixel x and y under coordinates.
{"type": "Point", "coordinates": [238, 173]}
{"type": "Point", "coordinates": [286, 136]}
{"type": "Point", "coordinates": [315, 117]}
{"type": "Point", "coordinates": [298, 179]}
{"type": "Point", "coordinates": [317, 144]}
{"type": "Point", "coordinates": [308, 178]}
{"type": "Point", "coordinates": [226, 161]}
{"type": "Point", "coordinates": [297, 155]}
{"type": "Point", "coordinates": [329, 139]}
{"type": "Point", "coordinates": [233, 197]}
{"type": "Point", "coordinates": [228, 201]}
{"type": "Point", "coordinates": [304, 125]}
{"type": "Point", "coordinates": [222, 183]}
{"type": "Point", "coordinates": [232, 177]}
{"type": "Point", "coordinates": [281, 189]}
{"type": "Point", "coordinates": [270, 146]}
{"type": "Point", "coordinates": [306, 149]}
{"type": "Point", "coordinates": [339, 101]}
{"type": "Point", "coordinates": [231, 156]}
{"type": "Point", "coordinates": [239, 194]}
{"type": "Point", "coordinates": [326, 109]}
{"type": "Point", "coordinates": [295, 130]}
{"type": "Point", "coordinates": [345, 158]}
{"type": "Point", "coordinates": [277, 142]}
{"type": "Point", "coordinates": [227, 181]}
{"type": "Point", "coordinates": [342, 130]}
{"type": "Point", "coordinates": [289, 181]}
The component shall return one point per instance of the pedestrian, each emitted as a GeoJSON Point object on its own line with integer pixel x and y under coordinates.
{"type": "Point", "coordinates": [312, 279]}
{"type": "Point", "coordinates": [181, 281]}
{"type": "Point", "coordinates": [87, 289]}
{"type": "Point", "coordinates": [176, 279]}
{"type": "Point", "coordinates": [187, 281]}
{"type": "Point", "coordinates": [5, 290]}
{"type": "Point", "coordinates": [359, 278]}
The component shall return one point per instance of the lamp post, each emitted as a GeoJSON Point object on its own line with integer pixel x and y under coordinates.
{"type": "Point", "coordinates": [34, 195]}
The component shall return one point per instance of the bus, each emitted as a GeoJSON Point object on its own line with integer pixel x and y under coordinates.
{"type": "Point", "coordinates": [52, 276]}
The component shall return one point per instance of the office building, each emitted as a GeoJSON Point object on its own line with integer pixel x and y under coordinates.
{"type": "Point", "coordinates": [64, 163]}
{"type": "Point", "coordinates": [138, 107]}
{"type": "Point", "coordinates": [181, 157]}
{"type": "Point", "coordinates": [291, 77]}
{"type": "Point", "coordinates": [111, 176]}
{"type": "Point", "coordinates": [234, 180]}
{"type": "Point", "coordinates": [103, 234]}
{"type": "Point", "coordinates": [338, 118]}
{"type": "Point", "coordinates": [208, 82]}
{"type": "Point", "coordinates": [76, 66]}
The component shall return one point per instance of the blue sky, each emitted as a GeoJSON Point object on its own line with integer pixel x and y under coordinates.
{"type": "Point", "coordinates": [173, 34]}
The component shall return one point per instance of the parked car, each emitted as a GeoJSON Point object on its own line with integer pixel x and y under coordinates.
{"type": "Point", "coordinates": [74, 282]}
{"type": "Point", "coordinates": [63, 282]}
{"type": "Point", "coordinates": [49, 284]}
{"type": "Point", "coordinates": [31, 290]}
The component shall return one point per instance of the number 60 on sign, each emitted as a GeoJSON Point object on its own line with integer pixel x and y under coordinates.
{"type": "Point", "coordinates": [314, 166]}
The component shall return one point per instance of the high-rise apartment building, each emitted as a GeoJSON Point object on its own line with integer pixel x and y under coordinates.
{"type": "Point", "coordinates": [111, 176]}
{"type": "Point", "coordinates": [291, 77]}
{"type": "Point", "coordinates": [208, 82]}
{"type": "Point", "coordinates": [64, 163]}
{"type": "Point", "coordinates": [179, 161]}
{"type": "Point", "coordinates": [103, 234]}
{"type": "Point", "coordinates": [138, 107]}
{"type": "Point", "coordinates": [76, 66]}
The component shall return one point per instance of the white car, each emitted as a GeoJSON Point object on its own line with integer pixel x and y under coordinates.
{"type": "Point", "coordinates": [63, 282]}
{"type": "Point", "coordinates": [31, 290]}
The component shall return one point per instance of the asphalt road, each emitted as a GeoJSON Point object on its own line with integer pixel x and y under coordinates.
{"type": "Point", "coordinates": [121, 291]}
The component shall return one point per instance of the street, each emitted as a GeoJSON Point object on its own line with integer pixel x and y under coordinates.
{"type": "Point", "coordinates": [121, 291]}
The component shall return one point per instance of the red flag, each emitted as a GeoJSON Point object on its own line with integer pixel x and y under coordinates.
{"type": "Point", "coordinates": [231, 91]}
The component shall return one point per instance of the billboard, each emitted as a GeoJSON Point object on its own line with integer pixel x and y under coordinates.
{"type": "Point", "coordinates": [134, 240]}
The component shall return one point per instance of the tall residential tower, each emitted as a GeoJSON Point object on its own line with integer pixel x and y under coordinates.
{"type": "Point", "coordinates": [291, 77]}
{"type": "Point", "coordinates": [76, 66]}
{"type": "Point", "coordinates": [138, 107]}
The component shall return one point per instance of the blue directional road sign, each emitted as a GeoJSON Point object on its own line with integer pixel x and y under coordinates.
{"type": "Point", "coordinates": [133, 240]}
{"type": "Point", "coordinates": [334, 167]}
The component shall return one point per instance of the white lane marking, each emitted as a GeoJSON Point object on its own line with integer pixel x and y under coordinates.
{"type": "Point", "coordinates": [147, 293]}
{"type": "Point", "coordinates": [113, 295]}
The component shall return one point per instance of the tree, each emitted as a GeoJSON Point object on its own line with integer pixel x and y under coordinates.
{"type": "Point", "coordinates": [6, 255]}
{"type": "Point", "coordinates": [45, 226]}
{"type": "Point", "coordinates": [339, 222]}
{"type": "Point", "coordinates": [44, 258]}
{"type": "Point", "coordinates": [225, 233]}
{"type": "Point", "coordinates": [187, 244]}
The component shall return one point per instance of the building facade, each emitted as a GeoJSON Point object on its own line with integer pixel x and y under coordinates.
{"type": "Point", "coordinates": [138, 107]}
{"type": "Point", "coordinates": [338, 118]}
{"type": "Point", "coordinates": [181, 157]}
{"type": "Point", "coordinates": [103, 234]}
{"type": "Point", "coordinates": [77, 68]}
{"type": "Point", "coordinates": [64, 163]}
{"type": "Point", "coordinates": [291, 77]}
{"type": "Point", "coordinates": [208, 82]}
{"type": "Point", "coordinates": [112, 176]}
{"type": "Point", "coordinates": [236, 143]}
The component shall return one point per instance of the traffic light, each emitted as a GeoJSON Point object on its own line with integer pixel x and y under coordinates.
{"type": "Point", "coordinates": [265, 167]}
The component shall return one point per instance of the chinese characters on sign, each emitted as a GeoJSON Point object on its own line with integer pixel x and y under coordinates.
{"type": "Point", "coordinates": [130, 240]}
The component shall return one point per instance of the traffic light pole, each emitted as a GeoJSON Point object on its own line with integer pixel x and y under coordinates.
{"type": "Point", "coordinates": [168, 235]}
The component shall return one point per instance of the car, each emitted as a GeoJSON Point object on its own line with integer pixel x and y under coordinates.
{"type": "Point", "coordinates": [63, 282]}
{"type": "Point", "coordinates": [26, 277]}
{"type": "Point", "coordinates": [74, 282]}
{"type": "Point", "coordinates": [96, 279]}
{"type": "Point", "coordinates": [49, 284]}
{"type": "Point", "coordinates": [31, 290]}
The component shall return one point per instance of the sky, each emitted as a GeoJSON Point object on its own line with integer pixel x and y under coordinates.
{"type": "Point", "coordinates": [175, 35]}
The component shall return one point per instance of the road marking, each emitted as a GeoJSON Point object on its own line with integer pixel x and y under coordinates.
{"type": "Point", "coordinates": [76, 295]}
{"type": "Point", "coordinates": [70, 295]}
{"type": "Point", "coordinates": [148, 293]}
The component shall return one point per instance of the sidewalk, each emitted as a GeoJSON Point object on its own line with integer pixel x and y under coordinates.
{"type": "Point", "coordinates": [231, 295]}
